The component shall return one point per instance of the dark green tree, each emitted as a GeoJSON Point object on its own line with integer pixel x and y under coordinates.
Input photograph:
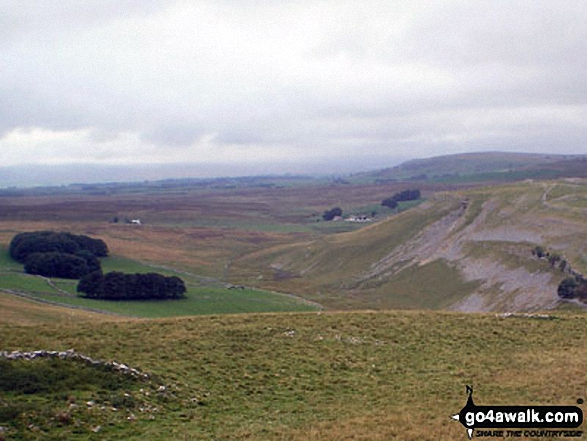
{"type": "Point", "coordinates": [66, 266]}
{"type": "Point", "coordinates": [332, 213]}
{"type": "Point", "coordinates": [175, 287]}
{"type": "Point", "coordinates": [389, 202]}
{"type": "Point", "coordinates": [538, 251]}
{"type": "Point", "coordinates": [24, 244]}
{"type": "Point", "coordinates": [114, 285]}
{"type": "Point", "coordinates": [119, 286]}
{"type": "Point", "coordinates": [92, 285]}
{"type": "Point", "coordinates": [91, 260]}
{"type": "Point", "coordinates": [553, 259]}
{"type": "Point", "coordinates": [405, 195]}
{"type": "Point", "coordinates": [566, 289]}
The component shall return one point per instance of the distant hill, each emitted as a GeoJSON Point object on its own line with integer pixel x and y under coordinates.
{"type": "Point", "coordinates": [467, 250]}
{"type": "Point", "coordinates": [490, 166]}
{"type": "Point", "coordinates": [464, 168]}
{"type": "Point", "coordinates": [64, 174]}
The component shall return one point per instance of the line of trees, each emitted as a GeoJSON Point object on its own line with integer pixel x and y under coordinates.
{"type": "Point", "coordinates": [120, 286]}
{"type": "Point", "coordinates": [572, 287]}
{"type": "Point", "coordinates": [554, 260]}
{"type": "Point", "coordinates": [52, 254]}
{"type": "Point", "coordinates": [405, 195]}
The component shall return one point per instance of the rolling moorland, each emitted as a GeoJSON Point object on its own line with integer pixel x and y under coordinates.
{"type": "Point", "coordinates": [465, 250]}
{"type": "Point", "coordinates": [288, 374]}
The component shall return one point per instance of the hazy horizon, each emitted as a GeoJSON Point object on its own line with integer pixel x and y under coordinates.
{"type": "Point", "coordinates": [235, 86]}
{"type": "Point", "coordinates": [65, 174]}
{"type": "Point", "coordinates": [35, 175]}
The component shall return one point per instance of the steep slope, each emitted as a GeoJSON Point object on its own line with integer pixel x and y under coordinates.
{"type": "Point", "coordinates": [470, 251]}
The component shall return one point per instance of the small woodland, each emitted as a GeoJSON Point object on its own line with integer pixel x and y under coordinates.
{"type": "Point", "coordinates": [405, 195]}
{"type": "Point", "coordinates": [69, 256]}
{"type": "Point", "coordinates": [120, 286]}
{"type": "Point", "coordinates": [52, 254]}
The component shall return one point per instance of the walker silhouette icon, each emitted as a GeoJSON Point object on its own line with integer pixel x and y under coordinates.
{"type": "Point", "coordinates": [474, 417]}
{"type": "Point", "coordinates": [469, 407]}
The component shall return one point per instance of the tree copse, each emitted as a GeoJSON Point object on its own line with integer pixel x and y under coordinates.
{"type": "Point", "coordinates": [405, 195]}
{"type": "Point", "coordinates": [120, 286]}
{"type": "Point", "coordinates": [62, 265]}
{"type": "Point", "coordinates": [52, 254]}
{"type": "Point", "coordinates": [24, 244]}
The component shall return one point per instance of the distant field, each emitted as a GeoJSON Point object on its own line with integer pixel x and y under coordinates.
{"type": "Point", "coordinates": [199, 300]}
{"type": "Point", "coordinates": [332, 270]}
{"type": "Point", "coordinates": [200, 230]}
{"type": "Point", "coordinates": [18, 311]}
{"type": "Point", "coordinates": [24, 282]}
{"type": "Point", "coordinates": [505, 176]}
{"type": "Point", "coordinates": [286, 209]}
{"type": "Point", "coordinates": [6, 263]}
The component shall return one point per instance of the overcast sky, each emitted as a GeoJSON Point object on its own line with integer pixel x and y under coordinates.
{"type": "Point", "coordinates": [260, 81]}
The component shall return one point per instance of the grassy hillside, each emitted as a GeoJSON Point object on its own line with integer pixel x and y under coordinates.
{"type": "Point", "coordinates": [329, 269]}
{"type": "Point", "coordinates": [469, 250]}
{"type": "Point", "coordinates": [367, 376]}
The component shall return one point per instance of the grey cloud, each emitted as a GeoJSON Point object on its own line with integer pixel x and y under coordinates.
{"type": "Point", "coordinates": [31, 18]}
{"type": "Point", "coordinates": [172, 135]}
{"type": "Point", "coordinates": [526, 32]}
{"type": "Point", "coordinates": [300, 75]}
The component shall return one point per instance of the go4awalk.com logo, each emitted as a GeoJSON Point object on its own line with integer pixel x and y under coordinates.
{"type": "Point", "coordinates": [519, 421]}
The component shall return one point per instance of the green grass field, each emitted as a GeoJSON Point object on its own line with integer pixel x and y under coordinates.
{"type": "Point", "coordinates": [197, 301]}
{"type": "Point", "coordinates": [6, 263]}
{"type": "Point", "coordinates": [24, 282]}
{"type": "Point", "coordinates": [208, 299]}
{"type": "Point", "coordinates": [125, 265]}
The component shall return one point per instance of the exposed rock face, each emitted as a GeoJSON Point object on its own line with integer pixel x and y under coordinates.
{"type": "Point", "coordinates": [502, 287]}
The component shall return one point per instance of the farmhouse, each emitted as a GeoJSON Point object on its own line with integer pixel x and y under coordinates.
{"type": "Point", "coordinates": [358, 218]}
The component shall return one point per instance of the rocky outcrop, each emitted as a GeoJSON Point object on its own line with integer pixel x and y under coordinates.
{"type": "Point", "coordinates": [71, 354]}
